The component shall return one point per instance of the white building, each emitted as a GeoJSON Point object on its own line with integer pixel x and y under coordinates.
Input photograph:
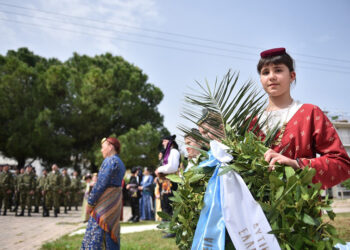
{"type": "Point", "coordinates": [12, 162]}
{"type": "Point", "coordinates": [343, 129]}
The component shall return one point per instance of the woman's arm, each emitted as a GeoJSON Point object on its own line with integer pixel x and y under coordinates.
{"type": "Point", "coordinates": [102, 181]}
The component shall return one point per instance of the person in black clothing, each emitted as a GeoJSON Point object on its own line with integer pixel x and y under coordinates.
{"type": "Point", "coordinates": [134, 194]}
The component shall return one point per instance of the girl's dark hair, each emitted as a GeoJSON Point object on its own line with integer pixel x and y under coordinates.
{"type": "Point", "coordinates": [285, 59]}
{"type": "Point", "coordinates": [175, 145]}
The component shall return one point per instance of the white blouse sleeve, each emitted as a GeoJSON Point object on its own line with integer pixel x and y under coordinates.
{"type": "Point", "coordinates": [173, 163]}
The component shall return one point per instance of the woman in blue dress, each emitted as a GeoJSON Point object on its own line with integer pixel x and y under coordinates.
{"type": "Point", "coordinates": [147, 209]}
{"type": "Point", "coordinates": [105, 200]}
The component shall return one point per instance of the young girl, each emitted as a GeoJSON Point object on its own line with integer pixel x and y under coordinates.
{"type": "Point", "coordinates": [304, 130]}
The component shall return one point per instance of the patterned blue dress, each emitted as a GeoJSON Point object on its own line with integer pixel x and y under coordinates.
{"type": "Point", "coordinates": [110, 175]}
{"type": "Point", "coordinates": [147, 209]}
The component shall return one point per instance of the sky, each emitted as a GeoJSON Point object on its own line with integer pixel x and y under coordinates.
{"type": "Point", "coordinates": [177, 43]}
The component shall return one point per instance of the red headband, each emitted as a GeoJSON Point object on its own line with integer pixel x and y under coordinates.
{"type": "Point", "coordinates": [273, 52]}
{"type": "Point", "coordinates": [114, 141]}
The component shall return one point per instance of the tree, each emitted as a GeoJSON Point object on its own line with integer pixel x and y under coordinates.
{"type": "Point", "coordinates": [26, 128]}
{"type": "Point", "coordinates": [58, 111]}
{"type": "Point", "coordinates": [139, 147]}
{"type": "Point", "coordinates": [346, 184]}
{"type": "Point", "coordinates": [108, 96]}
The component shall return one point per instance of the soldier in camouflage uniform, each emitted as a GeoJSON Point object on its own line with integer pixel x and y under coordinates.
{"type": "Point", "coordinates": [54, 188]}
{"type": "Point", "coordinates": [6, 188]}
{"type": "Point", "coordinates": [33, 172]}
{"type": "Point", "coordinates": [76, 190]}
{"type": "Point", "coordinates": [41, 189]}
{"type": "Point", "coordinates": [17, 178]}
{"type": "Point", "coordinates": [66, 188]}
{"type": "Point", "coordinates": [47, 197]}
{"type": "Point", "coordinates": [37, 194]}
{"type": "Point", "coordinates": [26, 185]}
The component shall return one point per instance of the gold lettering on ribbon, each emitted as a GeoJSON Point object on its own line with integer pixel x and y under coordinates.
{"type": "Point", "coordinates": [249, 244]}
{"type": "Point", "coordinates": [208, 243]}
{"type": "Point", "coordinates": [248, 239]}
{"type": "Point", "coordinates": [244, 230]}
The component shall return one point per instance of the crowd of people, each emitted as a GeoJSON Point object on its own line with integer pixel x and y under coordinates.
{"type": "Point", "coordinates": [304, 131]}
{"type": "Point", "coordinates": [148, 191]}
{"type": "Point", "coordinates": [23, 191]}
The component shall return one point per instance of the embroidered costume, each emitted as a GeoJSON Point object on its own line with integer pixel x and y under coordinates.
{"type": "Point", "coordinates": [106, 197]}
{"type": "Point", "coordinates": [307, 132]}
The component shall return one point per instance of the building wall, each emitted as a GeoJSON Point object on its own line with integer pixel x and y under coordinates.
{"type": "Point", "coordinates": [343, 129]}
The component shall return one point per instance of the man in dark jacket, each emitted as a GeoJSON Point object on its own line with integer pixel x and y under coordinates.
{"type": "Point", "coordinates": [134, 194]}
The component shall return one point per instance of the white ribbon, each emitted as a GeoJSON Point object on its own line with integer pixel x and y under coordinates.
{"type": "Point", "coordinates": [244, 219]}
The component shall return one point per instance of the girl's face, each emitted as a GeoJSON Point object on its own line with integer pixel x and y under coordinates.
{"type": "Point", "coordinates": [165, 143]}
{"type": "Point", "coordinates": [276, 79]}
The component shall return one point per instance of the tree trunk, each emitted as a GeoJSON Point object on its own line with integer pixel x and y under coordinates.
{"type": "Point", "coordinates": [94, 168]}
{"type": "Point", "coordinates": [76, 166]}
{"type": "Point", "coordinates": [20, 163]}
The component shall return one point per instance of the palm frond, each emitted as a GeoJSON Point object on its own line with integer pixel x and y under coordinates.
{"type": "Point", "coordinates": [236, 106]}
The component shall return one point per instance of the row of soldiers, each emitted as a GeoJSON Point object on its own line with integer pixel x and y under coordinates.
{"type": "Point", "coordinates": [25, 190]}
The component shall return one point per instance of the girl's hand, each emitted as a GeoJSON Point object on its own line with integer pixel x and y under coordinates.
{"type": "Point", "coordinates": [272, 157]}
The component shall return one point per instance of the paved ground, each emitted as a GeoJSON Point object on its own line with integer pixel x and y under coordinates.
{"type": "Point", "coordinates": [341, 206]}
{"type": "Point", "coordinates": [32, 232]}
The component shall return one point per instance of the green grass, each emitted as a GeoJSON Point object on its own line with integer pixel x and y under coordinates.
{"type": "Point", "coordinates": [342, 224]}
{"type": "Point", "coordinates": [152, 239]}
{"type": "Point", "coordinates": [65, 242]}
{"type": "Point", "coordinates": [141, 223]}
